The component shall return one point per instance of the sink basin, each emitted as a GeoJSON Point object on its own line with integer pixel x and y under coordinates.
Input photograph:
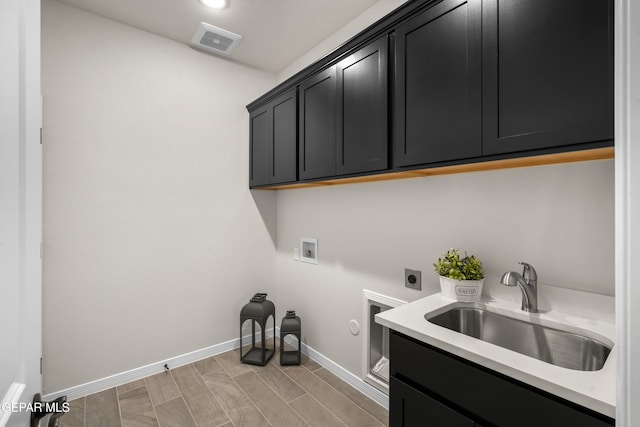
{"type": "Point", "coordinates": [551, 345]}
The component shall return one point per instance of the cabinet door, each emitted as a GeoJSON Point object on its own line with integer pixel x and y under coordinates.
{"type": "Point", "coordinates": [273, 141]}
{"type": "Point", "coordinates": [547, 73]}
{"type": "Point", "coordinates": [491, 397]}
{"type": "Point", "coordinates": [318, 125]}
{"type": "Point", "coordinates": [410, 407]}
{"type": "Point", "coordinates": [259, 148]}
{"type": "Point", "coordinates": [284, 157]}
{"type": "Point", "coordinates": [362, 110]}
{"type": "Point", "coordinates": [438, 84]}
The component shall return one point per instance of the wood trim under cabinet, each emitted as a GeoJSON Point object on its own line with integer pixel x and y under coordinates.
{"type": "Point", "coordinates": [547, 159]}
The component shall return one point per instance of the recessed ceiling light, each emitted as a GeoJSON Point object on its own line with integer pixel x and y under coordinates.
{"type": "Point", "coordinates": [215, 4]}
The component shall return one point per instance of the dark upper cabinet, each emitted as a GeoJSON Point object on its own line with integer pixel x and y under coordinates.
{"type": "Point", "coordinates": [285, 137]}
{"type": "Point", "coordinates": [273, 141]}
{"type": "Point", "coordinates": [259, 147]}
{"type": "Point", "coordinates": [362, 122]}
{"type": "Point", "coordinates": [452, 82]}
{"type": "Point", "coordinates": [438, 84]}
{"type": "Point", "coordinates": [343, 116]}
{"type": "Point", "coordinates": [547, 73]}
{"type": "Point", "coordinates": [318, 125]}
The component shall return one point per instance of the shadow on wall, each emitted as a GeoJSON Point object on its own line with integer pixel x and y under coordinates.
{"type": "Point", "coordinates": [266, 203]}
{"type": "Point", "coordinates": [551, 216]}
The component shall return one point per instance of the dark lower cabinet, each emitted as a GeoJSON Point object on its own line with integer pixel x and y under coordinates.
{"type": "Point", "coordinates": [430, 387]}
{"type": "Point", "coordinates": [411, 407]}
{"type": "Point", "coordinates": [438, 84]}
{"type": "Point", "coordinates": [547, 74]}
{"type": "Point", "coordinates": [273, 141]}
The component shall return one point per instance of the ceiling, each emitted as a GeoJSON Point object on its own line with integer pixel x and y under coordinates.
{"type": "Point", "coordinates": [275, 32]}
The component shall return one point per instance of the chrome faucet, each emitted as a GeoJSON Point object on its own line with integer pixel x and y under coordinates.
{"type": "Point", "coordinates": [528, 283]}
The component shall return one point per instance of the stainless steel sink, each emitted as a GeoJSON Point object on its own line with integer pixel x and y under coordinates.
{"type": "Point", "coordinates": [550, 345]}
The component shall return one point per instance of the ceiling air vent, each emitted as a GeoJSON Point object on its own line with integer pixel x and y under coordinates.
{"type": "Point", "coordinates": [215, 39]}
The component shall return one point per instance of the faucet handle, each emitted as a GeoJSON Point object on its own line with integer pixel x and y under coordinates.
{"type": "Point", "coordinates": [528, 272]}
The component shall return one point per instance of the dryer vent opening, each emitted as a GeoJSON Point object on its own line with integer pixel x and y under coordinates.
{"type": "Point", "coordinates": [376, 340]}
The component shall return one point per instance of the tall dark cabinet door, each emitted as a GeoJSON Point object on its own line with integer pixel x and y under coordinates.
{"type": "Point", "coordinates": [284, 157]}
{"type": "Point", "coordinates": [318, 125]}
{"type": "Point", "coordinates": [259, 148]}
{"type": "Point", "coordinates": [362, 110]}
{"type": "Point", "coordinates": [438, 84]}
{"type": "Point", "coordinates": [547, 73]}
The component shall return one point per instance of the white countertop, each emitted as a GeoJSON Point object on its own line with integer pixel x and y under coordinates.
{"type": "Point", "coordinates": [594, 389]}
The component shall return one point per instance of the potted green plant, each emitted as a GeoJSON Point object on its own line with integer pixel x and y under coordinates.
{"type": "Point", "coordinates": [461, 277]}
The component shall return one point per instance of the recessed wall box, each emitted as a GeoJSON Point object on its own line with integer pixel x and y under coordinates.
{"type": "Point", "coordinates": [309, 248]}
{"type": "Point", "coordinates": [376, 339]}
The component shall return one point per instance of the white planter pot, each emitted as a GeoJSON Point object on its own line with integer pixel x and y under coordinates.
{"type": "Point", "coordinates": [461, 290]}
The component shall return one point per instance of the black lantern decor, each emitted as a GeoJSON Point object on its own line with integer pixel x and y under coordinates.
{"type": "Point", "coordinates": [258, 311]}
{"type": "Point", "coordinates": [290, 326]}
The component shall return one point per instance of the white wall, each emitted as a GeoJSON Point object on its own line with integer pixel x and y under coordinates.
{"type": "Point", "coordinates": [152, 240]}
{"type": "Point", "coordinates": [559, 218]}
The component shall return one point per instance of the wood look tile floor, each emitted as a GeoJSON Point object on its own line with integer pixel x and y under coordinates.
{"type": "Point", "coordinates": [221, 391]}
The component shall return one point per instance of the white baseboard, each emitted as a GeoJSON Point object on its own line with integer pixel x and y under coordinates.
{"type": "Point", "coordinates": [148, 370]}
{"type": "Point", "coordinates": [354, 381]}
{"type": "Point", "coordinates": [184, 359]}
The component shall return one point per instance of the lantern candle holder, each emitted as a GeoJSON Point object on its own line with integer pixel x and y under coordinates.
{"type": "Point", "coordinates": [291, 325]}
{"type": "Point", "coordinates": [258, 311]}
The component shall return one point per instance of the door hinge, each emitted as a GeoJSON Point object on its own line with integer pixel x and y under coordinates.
{"type": "Point", "coordinates": [40, 136]}
{"type": "Point", "coordinates": [41, 366]}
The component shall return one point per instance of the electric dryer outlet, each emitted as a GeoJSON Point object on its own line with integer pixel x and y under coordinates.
{"type": "Point", "coordinates": [413, 279]}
